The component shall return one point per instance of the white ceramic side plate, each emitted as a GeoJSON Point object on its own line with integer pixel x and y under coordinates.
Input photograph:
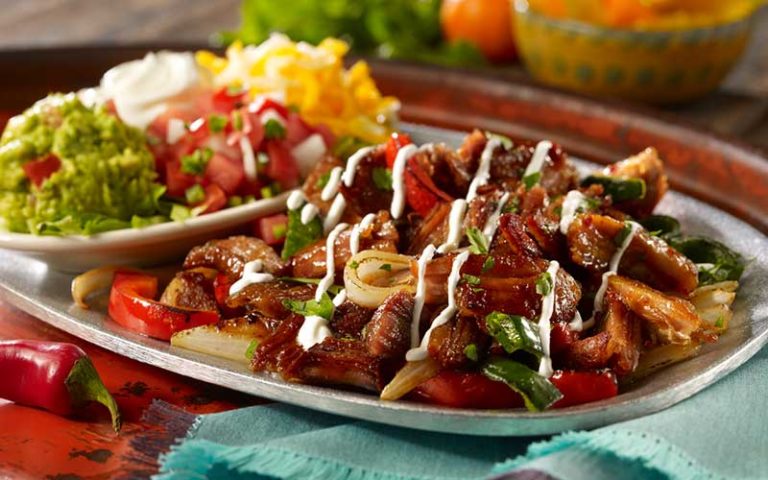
{"type": "Point", "coordinates": [138, 246]}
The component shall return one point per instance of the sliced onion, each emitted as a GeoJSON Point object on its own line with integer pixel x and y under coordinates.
{"type": "Point", "coordinates": [230, 340]}
{"type": "Point", "coordinates": [94, 281]}
{"type": "Point", "coordinates": [663, 356]}
{"type": "Point", "coordinates": [409, 377]}
{"type": "Point", "coordinates": [371, 276]}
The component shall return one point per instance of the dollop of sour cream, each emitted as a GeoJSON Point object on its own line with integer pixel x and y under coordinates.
{"type": "Point", "coordinates": [143, 89]}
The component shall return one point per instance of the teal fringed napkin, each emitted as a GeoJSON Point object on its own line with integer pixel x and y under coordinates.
{"type": "Point", "coordinates": [719, 433]}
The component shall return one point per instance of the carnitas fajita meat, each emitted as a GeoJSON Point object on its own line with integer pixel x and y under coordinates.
{"type": "Point", "coordinates": [491, 275]}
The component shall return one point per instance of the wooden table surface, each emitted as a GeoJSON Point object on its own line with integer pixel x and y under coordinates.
{"type": "Point", "coordinates": [79, 449]}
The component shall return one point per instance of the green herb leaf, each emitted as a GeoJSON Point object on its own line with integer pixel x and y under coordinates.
{"type": "Point", "coordinates": [216, 123]}
{"type": "Point", "coordinates": [195, 194]}
{"type": "Point", "coordinates": [195, 163]}
{"type": "Point", "coordinates": [505, 140]}
{"type": "Point", "coordinates": [237, 120]}
{"type": "Point", "coordinates": [354, 264]}
{"type": "Point", "coordinates": [471, 279]}
{"type": "Point", "coordinates": [620, 189]}
{"type": "Point", "coordinates": [179, 213]}
{"type": "Point", "coordinates": [323, 308]}
{"type": "Point", "coordinates": [488, 263]}
{"type": "Point", "coordinates": [387, 267]}
{"type": "Point", "coordinates": [544, 284]}
{"type": "Point", "coordinates": [470, 351]}
{"type": "Point", "coordinates": [334, 289]}
{"type": "Point", "coordinates": [514, 333]}
{"type": "Point", "coordinates": [662, 225]}
{"type": "Point", "coordinates": [323, 180]}
{"type": "Point", "coordinates": [537, 392]}
{"type": "Point", "coordinates": [382, 178]}
{"type": "Point", "coordinates": [716, 262]}
{"type": "Point", "coordinates": [234, 201]}
{"type": "Point", "coordinates": [346, 146]}
{"type": "Point", "coordinates": [299, 235]}
{"type": "Point", "coordinates": [251, 350]}
{"type": "Point", "coordinates": [512, 206]}
{"type": "Point", "coordinates": [274, 129]}
{"type": "Point", "coordinates": [478, 242]}
{"type": "Point", "coordinates": [625, 232]}
{"type": "Point", "coordinates": [531, 180]}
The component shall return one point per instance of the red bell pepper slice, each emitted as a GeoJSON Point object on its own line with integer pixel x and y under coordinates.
{"type": "Point", "coordinates": [394, 144]}
{"type": "Point", "coordinates": [475, 390]}
{"type": "Point", "coordinates": [131, 305]}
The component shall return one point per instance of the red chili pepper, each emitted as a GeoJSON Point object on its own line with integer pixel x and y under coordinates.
{"type": "Point", "coordinates": [131, 305]}
{"type": "Point", "coordinates": [58, 377]}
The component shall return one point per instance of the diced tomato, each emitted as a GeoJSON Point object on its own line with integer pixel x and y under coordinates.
{"type": "Point", "coordinates": [176, 181]}
{"type": "Point", "coordinates": [225, 102]}
{"type": "Point", "coordinates": [297, 129]}
{"type": "Point", "coordinates": [263, 104]}
{"type": "Point", "coordinates": [38, 171]}
{"type": "Point", "coordinates": [421, 193]}
{"type": "Point", "coordinates": [225, 172]}
{"type": "Point", "coordinates": [584, 387]}
{"type": "Point", "coordinates": [253, 127]}
{"type": "Point", "coordinates": [394, 144]}
{"type": "Point", "coordinates": [467, 390]}
{"type": "Point", "coordinates": [159, 126]}
{"type": "Point", "coordinates": [131, 305]}
{"type": "Point", "coordinates": [475, 390]}
{"type": "Point", "coordinates": [215, 198]}
{"type": "Point", "coordinates": [282, 166]}
{"type": "Point", "coordinates": [221, 286]}
{"type": "Point", "coordinates": [272, 229]}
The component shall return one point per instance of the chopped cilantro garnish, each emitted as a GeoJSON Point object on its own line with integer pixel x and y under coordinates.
{"type": "Point", "coordinates": [512, 206]}
{"type": "Point", "coordinates": [387, 267]}
{"type": "Point", "coordinates": [471, 279]}
{"type": "Point", "coordinates": [323, 180]}
{"type": "Point", "coordinates": [195, 194]}
{"type": "Point", "coordinates": [278, 231]}
{"type": "Point", "coordinates": [470, 351]}
{"type": "Point", "coordinates": [478, 242]}
{"type": "Point", "coordinates": [216, 123]}
{"type": "Point", "coordinates": [235, 201]}
{"type": "Point", "coordinates": [180, 213]}
{"type": "Point", "coordinates": [488, 263]}
{"type": "Point", "coordinates": [531, 180]}
{"type": "Point", "coordinates": [544, 284]}
{"type": "Point", "coordinates": [237, 120]}
{"type": "Point", "coordinates": [274, 129]}
{"type": "Point", "coordinates": [323, 308]}
{"type": "Point", "coordinates": [382, 178]}
{"type": "Point", "coordinates": [354, 264]}
{"type": "Point", "coordinates": [252, 349]}
{"type": "Point", "coordinates": [625, 232]}
{"type": "Point", "coordinates": [195, 163]}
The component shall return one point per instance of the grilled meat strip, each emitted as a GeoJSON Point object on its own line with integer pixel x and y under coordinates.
{"type": "Point", "coordinates": [230, 255]}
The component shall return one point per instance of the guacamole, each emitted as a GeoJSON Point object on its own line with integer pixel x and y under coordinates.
{"type": "Point", "coordinates": [105, 176]}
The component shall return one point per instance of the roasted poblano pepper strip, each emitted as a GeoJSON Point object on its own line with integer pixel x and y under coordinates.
{"type": "Point", "coordinates": [514, 333]}
{"type": "Point", "coordinates": [620, 189]}
{"type": "Point", "coordinates": [299, 235]}
{"type": "Point", "coordinates": [538, 392]}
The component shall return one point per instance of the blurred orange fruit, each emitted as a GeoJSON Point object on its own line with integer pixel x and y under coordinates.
{"type": "Point", "coordinates": [486, 24]}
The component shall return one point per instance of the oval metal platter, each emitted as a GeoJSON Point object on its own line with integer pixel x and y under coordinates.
{"type": "Point", "coordinates": [45, 293]}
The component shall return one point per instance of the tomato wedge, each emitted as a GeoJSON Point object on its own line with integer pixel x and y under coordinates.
{"type": "Point", "coordinates": [215, 199]}
{"type": "Point", "coordinates": [475, 390]}
{"type": "Point", "coordinates": [131, 305]}
{"type": "Point", "coordinates": [272, 229]}
{"type": "Point", "coordinates": [38, 171]}
{"type": "Point", "coordinates": [394, 144]}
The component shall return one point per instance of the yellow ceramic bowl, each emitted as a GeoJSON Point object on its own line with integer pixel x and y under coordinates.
{"type": "Point", "coordinates": [650, 66]}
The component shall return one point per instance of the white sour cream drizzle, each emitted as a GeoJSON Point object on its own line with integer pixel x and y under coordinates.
{"type": "Point", "coordinates": [251, 274]}
{"type": "Point", "coordinates": [489, 230]}
{"type": "Point", "coordinates": [315, 328]}
{"type": "Point", "coordinates": [545, 326]}
{"type": "Point", "coordinates": [249, 159]}
{"type": "Point", "coordinates": [308, 213]}
{"type": "Point", "coordinates": [332, 187]}
{"type": "Point", "coordinates": [398, 180]}
{"type": "Point", "coordinates": [334, 213]}
{"type": "Point", "coordinates": [352, 162]}
{"type": "Point", "coordinates": [570, 208]}
{"type": "Point", "coordinates": [483, 172]}
{"type": "Point", "coordinates": [418, 299]}
{"type": "Point", "coordinates": [613, 267]}
{"type": "Point", "coordinates": [539, 155]}
{"type": "Point", "coordinates": [455, 221]}
{"type": "Point", "coordinates": [295, 199]}
{"type": "Point", "coordinates": [354, 239]}
{"type": "Point", "coordinates": [420, 352]}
